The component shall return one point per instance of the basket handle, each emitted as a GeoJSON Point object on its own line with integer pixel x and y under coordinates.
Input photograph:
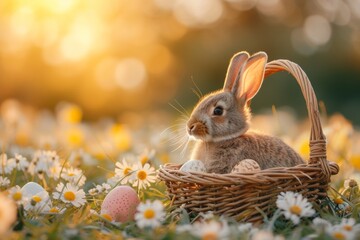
{"type": "Point", "coordinates": [317, 138]}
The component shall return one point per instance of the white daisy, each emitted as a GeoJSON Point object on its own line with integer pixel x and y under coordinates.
{"type": "Point", "coordinates": [93, 192]}
{"type": "Point", "coordinates": [207, 215]}
{"type": "Point", "coordinates": [6, 167]}
{"type": "Point", "coordinates": [247, 228]}
{"type": "Point", "coordinates": [4, 182]}
{"type": "Point", "coordinates": [338, 233]}
{"type": "Point", "coordinates": [114, 180]}
{"type": "Point", "coordinates": [124, 172]}
{"type": "Point", "coordinates": [105, 215]}
{"type": "Point", "coordinates": [16, 194]}
{"type": "Point", "coordinates": [146, 156]}
{"type": "Point", "coordinates": [99, 188]}
{"type": "Point", "coordinates": [321, 224]}
{"type": "Point", "coordinates": [294, 206]}
{"type": "Point", "coordinates": [211, 229]}
{"type": "Point", "coordinates": [144, 176]}
{"type": "Point", "coordinates": [74, 176]}
{"type": "Point", "coordinates": [38, 202]}
{"type": "Point", "coordinates": [349, 225]}
{"type": "Point", "coordinates": [341, 204]}
{"type": "Point", "coordinates": [8, 214]}
{"type": "Point", "coordinates": [183, 228]}
{"type": "Point", "coordinates": [150, 214]}
{"type": "Point", "coordinates": [70, 194]}
{"type": "Point", "coordinates": [20, 162]}
{"type": "Point", "coordinates": [266, 234]}
{"type": "Point", "coordinates": [55, 210]}
{"type": "Point", "coordinates": [55, 170]}
{"type": "Point", "coordinates": [42, 162]}
{"type": "Point", "coordinates": [105, 187]}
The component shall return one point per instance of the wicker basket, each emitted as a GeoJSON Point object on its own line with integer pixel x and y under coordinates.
{"type": "Point", "coordinates": [246, 196]}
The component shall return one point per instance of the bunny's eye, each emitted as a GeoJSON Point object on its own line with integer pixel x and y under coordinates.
{"type": "Point", "coordinates": [218, 111]}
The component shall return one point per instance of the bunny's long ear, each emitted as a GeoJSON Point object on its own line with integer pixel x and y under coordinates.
{"type": "Point", "coordinates": [234, 68]}
{"type": "Point", "coordinates": [251, 77]}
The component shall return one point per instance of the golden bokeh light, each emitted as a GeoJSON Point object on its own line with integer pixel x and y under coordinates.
{"type": "Point", "coordinates": [116, 50]}
{"type": "Point", "coordinates": [130, 73]}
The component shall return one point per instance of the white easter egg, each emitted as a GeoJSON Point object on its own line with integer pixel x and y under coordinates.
{"type": "Point", "coordinates": [120, 204]}
{"type": "Point", "coordinates": [246, 166]}
{"type": "Point", "coordinates": [31, 188]}
{"type": "Point", "coordinates": [193, 166]}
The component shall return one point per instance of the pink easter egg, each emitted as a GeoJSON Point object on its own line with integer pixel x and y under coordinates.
{"type": "Point", "coordinates": [120, 203]}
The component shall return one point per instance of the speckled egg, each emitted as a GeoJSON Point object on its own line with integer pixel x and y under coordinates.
{"type": "Point", "coordinates": [120, 204]}
{"type": "Point", "coordinates": [193, 166]}
{"type": "Point", "coordinates": [31, 188]}
{"type": "Point", "coordinates": [246, 166]}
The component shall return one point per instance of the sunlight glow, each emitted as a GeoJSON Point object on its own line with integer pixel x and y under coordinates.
{"type": "Point", "coordinates": [80, 40]}
{"type": "Point", "coordinates": [130, 73]}
{"type": "Point", "coordinates": [198, 12]}
{"type": "Point", "coordinates": [317, 29]}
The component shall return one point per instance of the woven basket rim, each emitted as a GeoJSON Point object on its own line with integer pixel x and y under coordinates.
{"type": "Point", "coordinates": [317, 143]}
{"type": "Point", "coordinates": [171, 172]}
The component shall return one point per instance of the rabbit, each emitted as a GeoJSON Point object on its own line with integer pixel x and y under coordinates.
{"type": "Point", "coordinates": [220, 122]}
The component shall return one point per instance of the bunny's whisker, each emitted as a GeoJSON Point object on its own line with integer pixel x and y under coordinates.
{"type": "Point", "coordinates": [197, 88]}
{"type": "Point", "coordinates": [185, 111]}
{"type": "Point", "coordinates": [181, 145]}
{"type": "Point", "coordinates": [196, 93]}
{"type": "Point", "coordinates": [178, 140]}
{"type": "Point", "coordinates": [178, 110]}
{"type": "Point", "coordinates": [170, 129]}
{"type": "Point", "coordinates": [183, 151]}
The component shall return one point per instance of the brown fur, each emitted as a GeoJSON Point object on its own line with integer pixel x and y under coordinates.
{"type": "Point", "coordinates": [223, 141]}
{"type": "Point", "coordinates": [267, 151]}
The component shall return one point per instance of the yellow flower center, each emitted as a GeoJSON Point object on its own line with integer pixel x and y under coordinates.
{"type": "Point", "coordinates": [127, 171]}
{"type": "Point", "coordinates": [74, 114]}
{"type": "Point", "coordinates": [144, 159]}
{"type": "Point", "coordinates": [209, 236]}
{"type": "Point", "coordinates": [36, 199]}
{"type": "Point", "coordinates": [17, 196]}
{"type": "Point", "coordinates": [70, 196]}
{"type": "Point", "coordinates": [75, 137]}
{"type": "Point", "coordinates": [141, 175]}
{"type": "Point", "coordinates": [355, 161]}
{"type": "Point", "coordinates": [295, 209]}
{"type": "Point", "coordinates": [107, 217]}
{"type": "Point", "coordinates": [165, 158]}
{"type": "Point", "coordinates": [338, 201]}
{"type": "Point", "coordinates": [338, 235]}
{"type": "Point", "coordinates": [71, 174]}
{"type": "Point", "coordinates": [122, 137]}
{"type": "Point", "coordinates": [149, 214]}
{"type": "Point", "coordinates": [348, 228]}
{"type": "Point", "coordinates": [54, 210]}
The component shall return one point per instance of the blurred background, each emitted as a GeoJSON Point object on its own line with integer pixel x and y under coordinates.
{"type": "Point", "coordinates": [111, 57]}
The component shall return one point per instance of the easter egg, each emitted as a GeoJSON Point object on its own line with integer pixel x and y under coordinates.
{"type": "Point", "coordinates": [31, 188]}
{"type": "Point", "coordinates": [193, 166]}
{"type": "Point", "coordinates": [120, 204]}
{"type": "Point", "coordinates": [246, 166]}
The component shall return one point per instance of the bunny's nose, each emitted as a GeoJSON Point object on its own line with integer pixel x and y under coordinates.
{"type": "Point", "coordinates": [191, 127]}
{"type": "Point", "coordinates": [197, 129]}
